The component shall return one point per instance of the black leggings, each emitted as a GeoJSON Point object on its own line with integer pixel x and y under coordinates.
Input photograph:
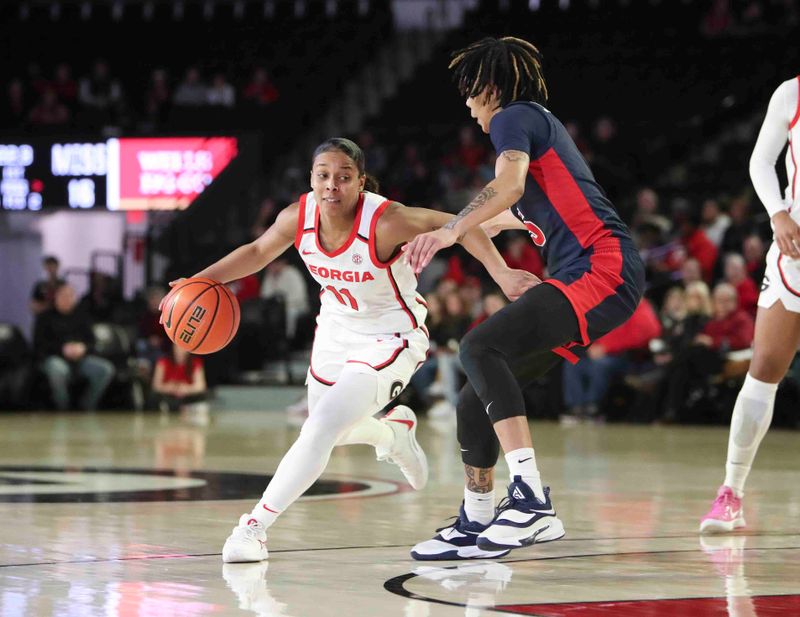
{"type": "Point", "coordinates": [500, 357]}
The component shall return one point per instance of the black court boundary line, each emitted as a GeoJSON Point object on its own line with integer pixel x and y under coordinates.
{"type": "Point", "coordinates": [376, 546]}
{"type": "Point", "coordinates": [396, 585]}
{"type": "Point", "coordinates": [189, 556]}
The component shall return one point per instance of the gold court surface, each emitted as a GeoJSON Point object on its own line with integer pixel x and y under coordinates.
{"type": "Point", "coordinates": [125, 514]}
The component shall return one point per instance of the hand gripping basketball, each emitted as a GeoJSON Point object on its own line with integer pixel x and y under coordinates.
{"type": "Point", "coordinates": [200, 315]}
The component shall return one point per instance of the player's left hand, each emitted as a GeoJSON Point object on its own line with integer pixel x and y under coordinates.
{"type": "Point", "coordinates": [420, 251]}
{"type": "Point", "coordinates": [514, 283]}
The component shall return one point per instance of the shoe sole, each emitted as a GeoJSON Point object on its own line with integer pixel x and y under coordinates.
{"type": "Point", "coordinates": [712, 525]}
{"type": "Point", "coordinates": [234, 557]}
{"type": "Point", "coordinates": [456, 555]}
{"type": "Point", "coordinates": [551, 531]}
{"type": "Point", "coordinates": [420, 455]}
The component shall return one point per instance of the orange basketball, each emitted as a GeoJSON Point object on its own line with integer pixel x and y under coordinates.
{"type": "Point", "coordinates": [200, 315]}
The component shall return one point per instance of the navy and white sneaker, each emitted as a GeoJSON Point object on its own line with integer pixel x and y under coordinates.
{"type": "Point", "coordinates": [456, 541]}
{"type": "Point", "coordinates": [521, 520]}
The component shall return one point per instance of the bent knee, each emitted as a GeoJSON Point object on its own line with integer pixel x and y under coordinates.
{"type": "Point", "coordinates": [472, 346]}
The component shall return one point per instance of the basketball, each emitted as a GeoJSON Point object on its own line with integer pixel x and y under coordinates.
{"type": "Point", "coordinates": [200, 315]}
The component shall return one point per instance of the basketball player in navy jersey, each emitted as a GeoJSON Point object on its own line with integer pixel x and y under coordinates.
{"type": "Point", "coordinates": [542, 184]}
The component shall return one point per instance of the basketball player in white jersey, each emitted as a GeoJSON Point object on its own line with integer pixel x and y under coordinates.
{"type": "Point", "coordinates": [778, 320]}
{"type": "Point", "coordinates": [370, 334]}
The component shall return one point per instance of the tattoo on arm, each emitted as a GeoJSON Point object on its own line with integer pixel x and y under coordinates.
{"type": "Point", "coordinates": [479, 480]}
{"type": "Point", "coordinates": [513, 155]}
{"type": "Point", "coordinates": [484, 196]}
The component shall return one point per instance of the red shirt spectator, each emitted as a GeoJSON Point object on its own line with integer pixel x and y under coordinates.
{"type": "Point", "coordinates": [260, 89]}
{"type": "Point", "coordinates": [183, 372]}
{"type": "Point", "coordinates": [731, 328]}
{"type": "Point", "coordinates": [703, 250]}
{"type": "Point", "coordinates": [246, 288]}
{"type": "Point", "coordinates": [64, 85]}
{"type": "Point", "coordinates": [642, 327]}
{"type": "Point", "coordinates": [469, 153]}
{"type": "Point", "coordinates": [520, 254]}
{"type": "Point", "coordinates": [49, 111]}
{"type": "Point", "coordinates": [732, 332]}
{"type": "Point", "coordinates": [736, 274]}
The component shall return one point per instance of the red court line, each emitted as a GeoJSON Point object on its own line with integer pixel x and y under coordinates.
{"type": "Point", "coordinates": [763, 606]}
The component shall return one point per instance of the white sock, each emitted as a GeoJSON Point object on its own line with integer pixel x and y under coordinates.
{"type": "Point", "coordinates": [479, 507]}
{"type": "Point", "coordinates": [752, 415]}
{"type": "Point", "coordinates": [522, 462]}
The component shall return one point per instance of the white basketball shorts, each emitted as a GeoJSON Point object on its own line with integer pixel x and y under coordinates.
{"type": "Point", "coordinates": [781, 281]}
{"type": "Point", "coordinates": [392, 357]}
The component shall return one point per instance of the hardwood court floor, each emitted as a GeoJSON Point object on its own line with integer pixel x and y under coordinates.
{"type": "Point", "coordinates": [88, 529]}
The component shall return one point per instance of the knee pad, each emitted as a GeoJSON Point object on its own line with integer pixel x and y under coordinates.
{"type": "Point", "coordinates": [479, 445]}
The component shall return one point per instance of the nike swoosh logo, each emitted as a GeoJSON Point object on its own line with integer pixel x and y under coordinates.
{"type": "Point", "coordinates": [487, 407]}
{"type": "Point", "coordinates": [525, 459]}
{"type": "Point", "coordinates": [168, 323]}
{"type": "Point", "coordinates": [464, 450]}
{"type": "Point", "coordinates": [308, 252]}
{"type": "Point", "coordinates": [408, 423]}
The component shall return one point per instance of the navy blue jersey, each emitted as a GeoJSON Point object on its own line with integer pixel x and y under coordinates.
{"type": "Point", "coordinates": [565, 210]}
{"type": "Point", "coordinates": [588, 250]}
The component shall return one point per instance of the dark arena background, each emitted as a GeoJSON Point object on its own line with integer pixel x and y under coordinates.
{"type": "Point", "coordinates": [143, 140]}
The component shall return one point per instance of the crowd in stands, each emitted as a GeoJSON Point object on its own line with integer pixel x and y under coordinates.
{"type": "Point", "coordinates": [100, 350]}
{"type": "Point", "coordinates": [53, 99]}
{"type": "Point", "coordinates": [704, 248]}
{"type": "Point", "coordinates": [705, 260]}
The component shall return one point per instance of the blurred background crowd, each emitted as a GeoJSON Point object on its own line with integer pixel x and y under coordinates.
{"type": "Point", "coordinates": [666, 115]}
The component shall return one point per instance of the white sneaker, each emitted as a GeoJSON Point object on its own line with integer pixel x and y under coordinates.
{"type": "Point", "coordinates": [247, 542]}
{"type": "Point", "coordinates": [406, 452]}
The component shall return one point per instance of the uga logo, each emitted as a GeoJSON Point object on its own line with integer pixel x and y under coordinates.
{"type": "Point", "coordinates": [537, 235]}
{"type": "Point", "coordinates": [396, 389]}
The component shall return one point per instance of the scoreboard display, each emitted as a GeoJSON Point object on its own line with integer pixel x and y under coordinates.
{"type": "Point", "coordinates": [158, 173]}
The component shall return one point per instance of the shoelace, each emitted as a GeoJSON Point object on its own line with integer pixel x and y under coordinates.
{"type": "Point", "coordinates": [506, 503]}
{"type": "Point", "coordinates": [251, 531]}
{"type": "Point", "coordinates": [725, 500]}
{"type": "Point", "coordinates": [456, 525]}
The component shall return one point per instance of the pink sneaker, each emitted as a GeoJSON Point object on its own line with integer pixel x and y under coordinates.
{"type": "Point", "coordinates": [725, 514]}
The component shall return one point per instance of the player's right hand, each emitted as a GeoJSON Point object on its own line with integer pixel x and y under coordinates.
{"type": "Point", "coordinates": [787, 234]}
{"type": "Point", "coordinates": [164, 299]}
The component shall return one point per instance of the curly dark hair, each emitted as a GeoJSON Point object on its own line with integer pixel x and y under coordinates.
{"type": "Point", "coordinates": [513, 66]}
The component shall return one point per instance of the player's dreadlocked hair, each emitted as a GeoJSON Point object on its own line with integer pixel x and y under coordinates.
{"type": "Point", "coordinates": [511, 65]}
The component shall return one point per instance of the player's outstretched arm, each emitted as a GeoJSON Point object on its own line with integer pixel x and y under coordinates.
{"type": "Point", "coordinates": [399, 224]}
{"type": "Point", "coordinates": [255, 255]}
{"type": "Point", "coordinates": [501, 222]}
{"type": "Point", "coordinates": [500, 194]}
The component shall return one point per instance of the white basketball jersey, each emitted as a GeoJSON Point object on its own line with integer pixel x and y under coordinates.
{"type": "Point", "coordinates": [358, 291]}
